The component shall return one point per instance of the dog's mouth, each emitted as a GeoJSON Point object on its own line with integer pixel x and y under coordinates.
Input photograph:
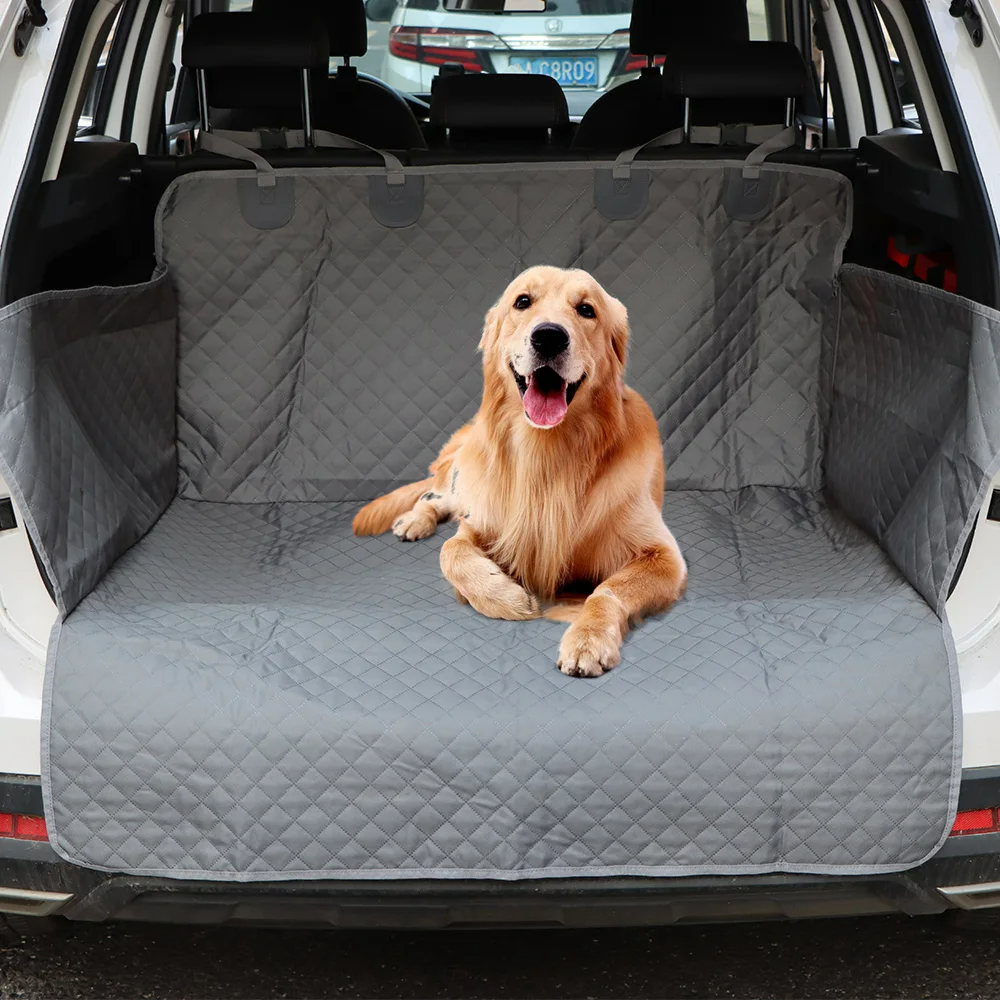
{"type": "Point", "coordinates": [546, 395]}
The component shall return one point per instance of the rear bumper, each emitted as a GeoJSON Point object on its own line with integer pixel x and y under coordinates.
{"type": "Point", "coordinates": [80, 894]}
{"type": "Point", "coordinates": [965, 873]}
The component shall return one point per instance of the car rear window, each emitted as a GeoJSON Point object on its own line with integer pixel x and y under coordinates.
{"type": "Point", "coordinates": [564, 8]}
{"type": "Point", "coordinates": [582, 44]}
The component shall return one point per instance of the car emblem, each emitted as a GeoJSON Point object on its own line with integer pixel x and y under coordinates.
{"type": "Point", "coordinates": [553, 25]}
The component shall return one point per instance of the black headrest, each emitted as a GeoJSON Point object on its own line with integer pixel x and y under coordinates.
{"type": "Point", "coordinates": [660, 25]}
{"type": "Point", "coordinates": [243, 40]}
{"type": "Point", "coordinates": [736, 69]}
{"type": "Point", "coordinates": [344, 20]}
{"type": "Point", "coordinates": [498, 100]}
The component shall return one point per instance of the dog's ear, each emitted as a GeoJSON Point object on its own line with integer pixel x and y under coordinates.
{"type": "Point", "coordinates": [618, 322]}
{"type": "Point", "coordinates": [491, 328]}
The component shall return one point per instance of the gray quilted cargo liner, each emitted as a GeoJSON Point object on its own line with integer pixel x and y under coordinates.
{"type": "Point", "coordinates": [251, 693]}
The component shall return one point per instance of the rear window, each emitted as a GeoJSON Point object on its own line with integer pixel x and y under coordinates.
{"type": "Point", "coordinates": [100, 84]}
{"type": "Point", "coordinates": [582, 44]}
{"type": "Point", "coordinates": [565, 8]}
{"type": "Point", "coordinates": [905, 90]}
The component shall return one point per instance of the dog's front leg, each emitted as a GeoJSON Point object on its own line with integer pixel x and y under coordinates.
{"type": "Point", "coordinates": [646, 586]}
{"type": "Point", "coordinates": [478, 580]}
{"type": "Point", "coordinates": [422, 519]}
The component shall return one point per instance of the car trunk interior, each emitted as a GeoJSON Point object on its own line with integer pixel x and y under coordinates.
{"type": "Point", "coordinates": [210, 373]}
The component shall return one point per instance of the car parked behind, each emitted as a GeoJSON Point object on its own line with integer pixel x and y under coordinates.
{"type": "Point", "coordinates": [582, 44]}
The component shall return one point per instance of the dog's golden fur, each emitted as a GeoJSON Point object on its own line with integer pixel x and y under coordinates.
{"type": "Point", "coordinates": [543, 508]}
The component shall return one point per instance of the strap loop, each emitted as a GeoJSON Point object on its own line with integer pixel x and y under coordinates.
{"type": "Point", "coordinates": [767, 139]}
{"type": "Point", "coordinates": [622, 170]}
{"type": "Point", "coordinates": [395, 174]}
{"type": "Point", "coordinates": [781, 140]}
{"type": "Point", "coordinates": [240, 146]}
{"type": "Point", "coordinates": [213, 142]}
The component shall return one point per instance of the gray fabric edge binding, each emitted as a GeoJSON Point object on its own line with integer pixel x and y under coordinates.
{"type": "Point", "coordinates": [593, 166]}
{"type": "Point", "coordinates": [46, 738]}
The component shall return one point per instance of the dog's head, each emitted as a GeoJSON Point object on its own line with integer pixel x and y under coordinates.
{"type": "Point", "coordinates": [555, 336]}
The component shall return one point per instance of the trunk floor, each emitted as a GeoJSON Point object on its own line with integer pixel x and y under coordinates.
{"type": "Point", "coordinates": [314, 680]}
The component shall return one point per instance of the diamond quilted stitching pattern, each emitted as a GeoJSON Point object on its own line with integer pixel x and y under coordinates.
{"type": "Point", "coordinates": [87, 423]}
{"type": "Point", "coordinates": [325, 708]}
{"type": "Point", "coordinates": [251, 693]}
{"type": "Point", "coordinates": [338, 356]}
{"type": "Point", "coordinates": [910, 452]}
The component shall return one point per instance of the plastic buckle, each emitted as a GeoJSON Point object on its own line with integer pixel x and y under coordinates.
{"type": "Point", "coordinates": [732, 135]}
{"type": "Point", "coordinates": [272, 138]}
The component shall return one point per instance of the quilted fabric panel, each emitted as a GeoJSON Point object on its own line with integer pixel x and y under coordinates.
{"type": "Point", "coordinates": [251, 693]}
{"type": "Point", "coordinates": [329, 359]}
{"type": "Point", "coordinates": [278, 699]}
{"type": "Point", "coordinates": [87, 437]}
{"type": "Point", "coordinates": [915, 420]}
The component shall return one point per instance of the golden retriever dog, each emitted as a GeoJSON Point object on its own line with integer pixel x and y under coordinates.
{"type": "Point", "coordinates": [557, 482]}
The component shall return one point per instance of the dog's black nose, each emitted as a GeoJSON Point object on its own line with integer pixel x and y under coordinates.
{"type": "Point", "coordinates": [549, 340]}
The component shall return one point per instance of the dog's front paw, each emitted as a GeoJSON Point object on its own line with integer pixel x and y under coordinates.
{"type": "Point", "coordinates": [590, 647]}
{"type": "Point", "coordinates": [414, 525]}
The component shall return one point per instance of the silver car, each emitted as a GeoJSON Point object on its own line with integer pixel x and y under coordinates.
{"type": "Point", "coordinates": [583, 44]}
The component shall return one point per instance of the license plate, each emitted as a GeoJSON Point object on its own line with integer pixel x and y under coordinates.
{"type": "Point", "coordinates": [568, 71]}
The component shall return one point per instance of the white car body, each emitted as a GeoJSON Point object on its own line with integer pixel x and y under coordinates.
{"type": "Point", "coordinates": [27, 612]}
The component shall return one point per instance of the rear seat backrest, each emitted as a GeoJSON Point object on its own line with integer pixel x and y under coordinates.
{"type": "Point", "coordinates": [348, 104]}
{"type": "Point", "coordinates": [497, 107]}
{"type": "Point", "coordinates": [252, 72]}
{"type": "Point", "coordinates": [639, 110]}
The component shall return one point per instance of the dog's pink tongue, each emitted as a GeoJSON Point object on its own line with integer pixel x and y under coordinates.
{"type": "Point", "coordinates": [545, 407]}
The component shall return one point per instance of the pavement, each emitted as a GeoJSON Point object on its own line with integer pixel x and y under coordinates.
{"type": "Point", "coordinates": [378, 44]}
{"type": "Point", "coordinates": [892, 957]}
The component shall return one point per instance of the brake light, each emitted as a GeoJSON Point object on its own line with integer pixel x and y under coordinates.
{"type": "Point", "coordinates": [437, 46]}
{"type": "Point", "coordinates": [976, 821]}
{"type": "Point", "coordinates": [633, 63]}
{"type": "Point", "coordinates": [18, 827]}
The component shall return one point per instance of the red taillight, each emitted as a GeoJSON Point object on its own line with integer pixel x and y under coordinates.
{"type": "Point", "coordinates": [23, 827]}
{"type": "Point", "coordinates": [975, 821]}
{"type": "Point", "coordinates": [438, 57]}
{"type": "Point", "coordinates": [634, 63]}
{"type": "Point", "coordinates": [437, 46]}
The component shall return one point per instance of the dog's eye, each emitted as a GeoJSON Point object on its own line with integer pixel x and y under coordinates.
{"type": "Point", "coordinates": [522, 302]}
{"type": "Point", "coordinates": [586, 310]}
